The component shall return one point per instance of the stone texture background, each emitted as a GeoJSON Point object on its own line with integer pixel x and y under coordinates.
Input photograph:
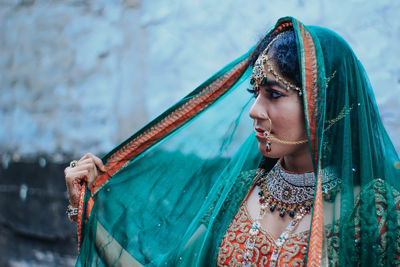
{"type": "Point", "coordinates": [80, 75]}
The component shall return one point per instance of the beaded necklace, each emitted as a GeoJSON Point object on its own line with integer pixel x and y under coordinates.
{"type": "Point", "coordinates": [286, 192]}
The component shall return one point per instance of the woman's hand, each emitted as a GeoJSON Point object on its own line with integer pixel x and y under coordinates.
{"type": "Point", "coordinates": [87, 169]}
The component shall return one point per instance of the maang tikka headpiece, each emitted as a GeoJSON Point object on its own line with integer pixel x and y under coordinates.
{"type": "Point", "coordinates": [259, 75]}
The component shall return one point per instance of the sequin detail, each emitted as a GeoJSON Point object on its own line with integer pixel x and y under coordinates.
{"type": "Point", "coordinates": [234, 244]}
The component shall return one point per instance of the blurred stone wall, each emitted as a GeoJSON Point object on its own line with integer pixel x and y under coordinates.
{"type": "Point", "coordinates": [82, 75]}
{"type": "Point", "coordinates": [79, 76]}
{"type": "Point", "coordinates": [34, 229]}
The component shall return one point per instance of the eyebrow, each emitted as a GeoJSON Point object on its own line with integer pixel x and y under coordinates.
{"type": "Point", "coordinates": [274, 83]}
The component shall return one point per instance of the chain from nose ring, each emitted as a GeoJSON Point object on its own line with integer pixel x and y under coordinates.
{"type": "Point", "coordinates": [267, 136]}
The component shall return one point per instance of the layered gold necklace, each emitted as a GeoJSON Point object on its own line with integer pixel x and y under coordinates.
{"type": "Point", "coordinates": [286, 192]}
{"type": "Point", "coordinates": [289, 193]}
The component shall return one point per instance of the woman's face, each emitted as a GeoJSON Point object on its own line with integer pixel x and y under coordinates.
{"type": "Point", "coordinates": [285, 109]}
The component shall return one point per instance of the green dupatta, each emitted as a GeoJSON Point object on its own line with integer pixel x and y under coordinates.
{"type": "Point", "coordinates": [172, 189]}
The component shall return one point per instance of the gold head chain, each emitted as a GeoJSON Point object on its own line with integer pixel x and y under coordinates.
{"type": "Point", "coordinates": [259, 74]}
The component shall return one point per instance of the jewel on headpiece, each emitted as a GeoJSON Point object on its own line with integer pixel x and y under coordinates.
{"type": "Point", "coordinates": [259, 75]}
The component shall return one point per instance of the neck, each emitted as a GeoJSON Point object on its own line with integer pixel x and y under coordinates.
{"type": "Point", "coordinates": [298, 163]}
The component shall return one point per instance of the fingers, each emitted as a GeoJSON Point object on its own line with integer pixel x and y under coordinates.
{"type": "Point", "coordinates": [73, 181]}
{"type": "Point", "coordinates": [96, 160]}
{"type": "Point", "coordinates": [79, 174]}
{"type": "Point", "coordinates": [99, 164]}
{"type": "Point", "coordinates": [92, 164]}
{"type": "Point", "coordinates": [91, 172]}
{"type": "Point", "coordinates": [73, 176]}
{"type": "Point", "coordinates": [86, 170]}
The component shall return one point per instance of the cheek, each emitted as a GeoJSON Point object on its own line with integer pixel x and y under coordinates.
{"type": "Point", "coordinates": [289, 120]}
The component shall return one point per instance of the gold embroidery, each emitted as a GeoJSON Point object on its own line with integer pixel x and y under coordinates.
{"type": "Point", "coordinates": [233, 244]}
{"type": "Point", "coordinates": [353, 223]}
{"type": "Point", "coordinates": [294, 250]}
{"type": "Point", "coordinates": [343, 113]}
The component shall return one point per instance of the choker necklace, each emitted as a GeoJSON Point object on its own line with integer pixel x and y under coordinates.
{"type": "Point", "coordinates": [286, 192]}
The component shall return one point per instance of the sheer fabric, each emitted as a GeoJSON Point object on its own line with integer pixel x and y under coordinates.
{"type": "Point", "coordinates": [174, 187]}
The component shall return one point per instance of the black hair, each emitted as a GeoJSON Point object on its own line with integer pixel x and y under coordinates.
{"type": "Point", "coordinates": [284, 52]}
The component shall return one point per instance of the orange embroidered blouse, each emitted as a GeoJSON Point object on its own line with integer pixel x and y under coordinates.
{"type": "Point", "coordinates": [294, 249]}
{"type": "Point", "coordinates": [232, 247]}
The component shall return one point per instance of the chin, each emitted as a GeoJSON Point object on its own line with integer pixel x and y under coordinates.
{"type": "Point", "coordinates": [272, 154]}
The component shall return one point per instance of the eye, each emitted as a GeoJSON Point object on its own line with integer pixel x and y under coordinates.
{"type": "Point", "coordinates": [274, 94]}
{"type": "Point", "coordinates": [254, 92]}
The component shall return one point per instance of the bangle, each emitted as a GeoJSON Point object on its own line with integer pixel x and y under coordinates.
{"type": "Point", "coordinates": [71, 211]}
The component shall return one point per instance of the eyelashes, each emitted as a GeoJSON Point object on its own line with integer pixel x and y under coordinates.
{"type": "Point", "coordinates": [253, 92]}
{"type": "Point", "coordinates": [273, 94]}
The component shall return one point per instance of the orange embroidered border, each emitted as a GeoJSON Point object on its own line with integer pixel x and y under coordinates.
{"type": "Point", "coordinates": [315, 243]}
{"type": "Point", "coordinates": [80, 215]}
{"type": "Point", "coordinates": [171, 122]}
{"type": "Point", "coordinates": [311, 87]}
{"type": "Point", "coordinates": [177, 118]}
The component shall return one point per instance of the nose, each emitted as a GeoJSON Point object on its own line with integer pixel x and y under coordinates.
{"type": "Point", "coordinates": [258, 111]}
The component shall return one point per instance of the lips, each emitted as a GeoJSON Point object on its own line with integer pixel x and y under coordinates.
{"type": "Point", "coordinates": [260, 132]}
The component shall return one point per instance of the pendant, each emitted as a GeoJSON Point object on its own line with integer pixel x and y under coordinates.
{"type": "Point", "coordinates": [268, 148]}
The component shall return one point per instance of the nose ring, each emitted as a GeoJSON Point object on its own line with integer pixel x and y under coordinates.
{"type": "Point", "coordinates": [266, 133]}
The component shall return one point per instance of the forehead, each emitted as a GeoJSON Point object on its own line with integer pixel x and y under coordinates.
{"type": "Point", "coordinates": [273, 83]}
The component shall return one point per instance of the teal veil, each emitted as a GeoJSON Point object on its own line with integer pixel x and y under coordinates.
{"type": "Point", "coordinates": [172, 189]}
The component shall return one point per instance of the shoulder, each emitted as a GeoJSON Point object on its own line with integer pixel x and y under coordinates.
{"type": "Point", "coordinates": [377, 211]}
{"type": "Point", "coordinates": [380, 196]}
{"type": "Point", "coordinates": [248, 177]}
{"type": "Point", "coordinates": [383, 192]}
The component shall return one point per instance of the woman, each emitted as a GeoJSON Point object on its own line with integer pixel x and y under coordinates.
{"type": "Point", "coordinates": [325, 192]}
